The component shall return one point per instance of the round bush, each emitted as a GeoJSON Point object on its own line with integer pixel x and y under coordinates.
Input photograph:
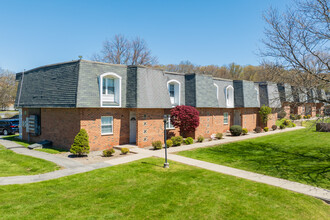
{"type": "Point", "coordinates": [124, 150]}
{"type": "Point", "coordinates": [218, 135]}
{"type": "Point", "coordinates": [189, 140]}
{"type": "Point", "coordinates": [282, 126]}
{"type": "Point", "coordinates": [169, 143]}
{"type": "Point", "coordinates": [177, 141]}
{"type": "Point", "coordinates": [258, 129]}
{"type": "Point", "coordinates": [245, 131]}
{"type": "Point", "coordinates": [274, 127]}
{"type": "Point", "coordinates": [200, 138]}
{"type": "Point", "coordinates": [294, 125]}
{"type": "Point", "coordinates": [281, 114]}
{"type": "Point", "coordinates": [266, 129]}
{"type": "Point", "coordinates": [236, 130]}
{"type": "Point", "coordinates": [80, 144]}
{"type": "Point", "coordinates": [108, 152]}
{"type": "Point", "coordinates": [157, 145]}
{"type": "Point", "coordinates": [299, 117]}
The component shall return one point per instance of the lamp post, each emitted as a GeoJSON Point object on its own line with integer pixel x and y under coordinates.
{"type": "Point", "coordinates": [166, 164]}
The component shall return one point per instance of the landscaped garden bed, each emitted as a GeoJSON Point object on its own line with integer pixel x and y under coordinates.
{"type": "Point", "coordinates": [144, 190]}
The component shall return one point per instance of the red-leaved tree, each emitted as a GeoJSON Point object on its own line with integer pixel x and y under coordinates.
{"type": "Point", "coordinates": [185, 117]}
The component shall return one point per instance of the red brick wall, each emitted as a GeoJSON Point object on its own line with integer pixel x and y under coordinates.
{"type": "Point", "coordinates": [319, 108]}
{"type": "Point", "coordinates": [57, 125]}
{"type": "Point", "coordinates": [250, 119]}
{"type": "Point", "coordinates": [91, 121]}
{"type": "Point", "coordinates": [287, 109]}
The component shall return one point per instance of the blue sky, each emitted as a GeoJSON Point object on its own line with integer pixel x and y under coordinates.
{"type": "Point", "coordinates": [35, 33]}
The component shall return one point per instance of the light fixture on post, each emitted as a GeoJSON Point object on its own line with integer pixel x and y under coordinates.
{"type": "Point", "coordinates": [166, 164]}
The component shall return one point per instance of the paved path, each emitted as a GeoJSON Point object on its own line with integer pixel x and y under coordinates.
{"type": "Point", "coordinates": [63, 162]}
{"type": "Point", "coordinates": [73, 167]}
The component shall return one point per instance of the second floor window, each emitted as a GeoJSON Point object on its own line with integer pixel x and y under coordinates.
{"type": "Point", "coordinates": [110, 86]}
{"type": "Point", "coordinates": [174, 92]}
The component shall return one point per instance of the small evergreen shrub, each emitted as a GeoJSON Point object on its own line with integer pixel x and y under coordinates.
{"type": "Point", "coordinates": [298, 117]}
{"type": "Point", "coordinates": [80, 144]}
{"type": "Point", "coordinates": [305, 116]}
{"type": "Point", "coordinates": [236, 130]}
{"type": "Point", "coordinates": [265, 112]}
{"type": "Point", "coordinates": [282, 126]}
{"type": "Point", "coordinates": [200, 138]}
{"type": "Point", "coordinates": [218, 135]}
{"type": "Point", "coordinates": [189, 140]}
{"type": "Point", "coordinates": [266, 129]}
{"type": "Point", "coordinates": [244, 131]}
{"type": "Point", "coordinates": [108, 152]}
{"type": "Point", "coordinates": [177, 140]}
{"type": "Point", "coordinates": [274, 127]}
{"type": "Point", "coordinates": [258, 129]}
{"type": "Point", "coordinates": [124, 150]}
{"type": "Point", "coordinates": [157, 145]}
{"type": "Point", "coordinates": [293, 117]}
{"type": "Point", "coordinates": [309, 116]}
{"type": "Point", "coordinates": [169, 143]}
{"type": "Point", "coordinates": [294, 125]}
{"type": "Point", "coordinates": [282, 114]}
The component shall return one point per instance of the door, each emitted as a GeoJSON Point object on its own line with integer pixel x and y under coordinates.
{"type": "Point", "coordinates": [237, 117]}
{"type": "Point", "coordinates": [132, 127]}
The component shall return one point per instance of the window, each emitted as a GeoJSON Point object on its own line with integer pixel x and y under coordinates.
{"type": "Point", "coordinates": [106, 125]}
{"type": "Point", "coordinates": [110, 91]}
{"type": "Point", "coordinates": [225, 118]}
{"type": "Point", "coordinates": [216, 90]}
{"type": "Point", "coordinates": [229, 93]}
{"type": "Point", "coordinates": [168, 123]}
{"type": "Point", "coordinates": [174, 92]}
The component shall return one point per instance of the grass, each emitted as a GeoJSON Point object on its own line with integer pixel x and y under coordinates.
{"type": "Point", "coordinates": [12, 164]}
{"type": "Point", "coordinates": [144, 190]}
{"type": "Point", "coordinates": [26, 144]}
{"type": "Point", "coordinates": [302, 156]}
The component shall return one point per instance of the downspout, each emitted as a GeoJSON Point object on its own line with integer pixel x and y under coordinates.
{"type": "Point", "coordinates": [20, 109]}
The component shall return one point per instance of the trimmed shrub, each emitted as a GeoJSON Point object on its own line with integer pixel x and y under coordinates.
{"type": "Point", "coordinates": [236, 130]}
{"type": "Point", "coordinates": [294, 125]}
{"type": "Point", "coordinates": [169, 143]}
{"type": "Point", "coordinates": [264, 112]}
{"type": "Point", "coordinates": [177, 140]}
{"type": "Point", "coordinates": [258, 129]}
{"type": "Point", "coordinates": [282, 126]}
{"type": "Point", "coordinates": [274, 127]}
{"type": "Point", "coordinates": [189, 140]}
{"type": "Point", "coordinates": [305, 116]}
{"type": "Point", "coordinates": [309, 116]}
{"type": "Point", "coordinates": [200, 138]}
{"type": "Point", "coordinates": [286, 122]}
{"type": "Point", "coordinates": [266, 129]}
{"type": "Point", "coordinates": [218, 135]}
{"type": "Point", "coordinates": [108, 152]}
{"type": "Point", "coordinates": [293, 117]}
{"type": "Point", "coordinates": [157, 145]}
{"type": "Point", "coordinates": [298, 117]}
{"type": "Point", "coordinates": [124, 150]}
{"type": "Point", "coordinates": [244, 131]}
{"type": "Point", "coordinates": [281, 114]}
{"type": "Point", "coordinates": [80, 144]}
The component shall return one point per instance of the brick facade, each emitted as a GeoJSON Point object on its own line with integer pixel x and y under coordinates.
{"type": "Point", "coordinates": [61, 125]}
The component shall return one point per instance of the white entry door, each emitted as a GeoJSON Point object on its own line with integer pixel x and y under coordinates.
{"type": "Point", "coordinates": [132, 127]}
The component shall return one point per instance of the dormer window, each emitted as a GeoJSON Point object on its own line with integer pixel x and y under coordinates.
{"type": "Point", "coordinates": [229, 93]}
{"type": "Point", "coordinates": [216, 90]}
{"type": "Point", "coordinates": [174, 92]}
{"type": "Point", "coordinates": [257, 91]}
{"type": "Point", "coordinates": [110, 91]}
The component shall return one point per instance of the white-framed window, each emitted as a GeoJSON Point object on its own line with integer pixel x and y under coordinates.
{"type": "Point", "coordinates": [256, 87]}
{"type": "Point", "coordinates": [106, 125]}
{"type": "Point", "coordinates": [216, 90]}
{"type": "Point", "coordinates": [110, 90]}
{"type": "Point", "coordinates": [174, 90]}
{"type": "Point", "coordinates": [225, 118]}
{"type": "Point", "coordinates": [229, 94]}
{"type": "Point", "coordinates": [168, 123]}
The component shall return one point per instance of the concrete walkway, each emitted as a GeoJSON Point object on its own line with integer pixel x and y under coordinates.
{"type": "Point", "coordinates": [74, 167]}
{"type": "Point", "coordinates": [63, 162]}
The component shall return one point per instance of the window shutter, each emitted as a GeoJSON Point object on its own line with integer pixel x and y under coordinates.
{"type": "Point", "coordinates": [117, 90]}
{"type": "Point", "coordinates": [176, 93]}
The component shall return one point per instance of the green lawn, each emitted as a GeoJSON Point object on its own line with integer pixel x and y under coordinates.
{"type": "Point", "coordinates": [144, 190]}
{"type": "Point", "coordinates": [12, 164]}
{"type": "Point", "coordinates": [26, 144]}
{"type": "Point", "coordinates": [301, 156]}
